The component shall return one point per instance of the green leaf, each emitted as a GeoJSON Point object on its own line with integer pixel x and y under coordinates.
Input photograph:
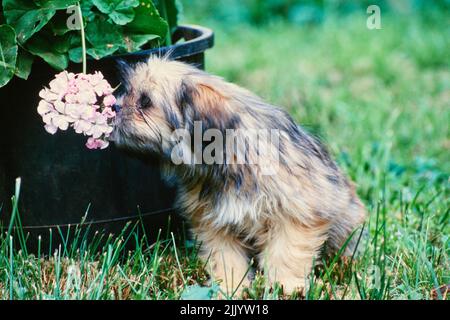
{"type": "Point", "coordinates": [134, 42]}
{"type": "Point", "coordinates": [8, 54]}
{"type": "Point", "coordinates": [120, 11]}
{"type": "Point", "coordinates": [58, 23]}
{"type": "Point", "coordinates": [147, 21]}
{"type": "Point", "coordinates": [98, 53]}
{"type": "Point", "coordinates": [24, 63]}
{"type": "Point", "coordinates": [169, 9]}
{"type": "Point", "coordinates": [53, 49]}
{"type": "Point", "coordinates": [26, 17]}
{"type": "Point", "coordinates": [62, 43]}
{"type": "Point", "coordinates": [105, 38]}
{"type": "Point", "coordinates": [86, 10]}
{"type": "Point", "coordinates": [76, 55]}
{"type": "Point", "coordinates": [55, 4]}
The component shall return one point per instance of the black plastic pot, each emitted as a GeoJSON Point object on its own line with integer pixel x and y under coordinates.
{"type": "Point", "coordinates": [61, 177]}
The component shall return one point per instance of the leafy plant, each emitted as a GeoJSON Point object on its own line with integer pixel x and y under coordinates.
{"type": "Point", "coordinates": [50, 30]}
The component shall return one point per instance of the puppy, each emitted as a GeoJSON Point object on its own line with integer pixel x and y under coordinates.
{"type": "Point", "coordinates": [238, 210]}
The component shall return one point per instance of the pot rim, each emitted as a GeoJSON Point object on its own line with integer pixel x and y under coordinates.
{"type": "Point", "coordinates": [198, 40]}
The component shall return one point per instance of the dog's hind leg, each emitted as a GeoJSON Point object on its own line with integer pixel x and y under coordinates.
{"type": "Point", "coordinates": [288, 251]}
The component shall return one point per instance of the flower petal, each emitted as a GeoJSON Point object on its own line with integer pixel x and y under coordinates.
{"type": "Point", "coordinates": [60, 106]}
{"type": "Point", "coordinates": [82, 126]}
{"type": "Point", "coordinates": [107, 112]}
{"type": "Point", "coordinates": [47, 95]}
{"type": "Point", "coordinates": [47, 118]}
{"type": "Point", "coordinates": [61, 122]}
{"type": "Point", "coordinates": [103, 144]}
{"type": "Point", "coordinates": [109, 100]}
{"type": "Point", "coordinates": [44, 107]}
{"type": "Point", "coordinates": [50, 128]}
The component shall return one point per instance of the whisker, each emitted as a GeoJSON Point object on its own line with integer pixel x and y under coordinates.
{"type": "Point", "coordinates": [156, 133]}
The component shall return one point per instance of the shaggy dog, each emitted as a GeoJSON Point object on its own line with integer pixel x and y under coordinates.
{"type": "Point", "coordinates": [236, 209]}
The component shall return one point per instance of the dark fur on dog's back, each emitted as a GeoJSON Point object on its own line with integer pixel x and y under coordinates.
{"type": "Point", "coordinates": [234, 208]}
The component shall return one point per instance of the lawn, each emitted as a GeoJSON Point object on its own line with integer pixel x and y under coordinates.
{"type": "Point", "coordinates": [380, 99]}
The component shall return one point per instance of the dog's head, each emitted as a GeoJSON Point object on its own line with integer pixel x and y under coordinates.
{"type": "Point", "coordinates": [161, 96]}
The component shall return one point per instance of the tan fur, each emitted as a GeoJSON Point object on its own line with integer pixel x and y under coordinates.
{"type": "Point", "coordinates": [235, 210]}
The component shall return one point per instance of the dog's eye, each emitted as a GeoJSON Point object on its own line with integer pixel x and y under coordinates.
{"type": "Point", "coordinates": [144, 101]}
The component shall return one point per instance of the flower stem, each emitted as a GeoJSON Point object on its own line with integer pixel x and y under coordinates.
{"type": "Point", "coordinates": [83, 38]}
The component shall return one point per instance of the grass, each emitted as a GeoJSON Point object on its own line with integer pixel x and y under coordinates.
{"type": "Point", "coordinates": [379, 99]}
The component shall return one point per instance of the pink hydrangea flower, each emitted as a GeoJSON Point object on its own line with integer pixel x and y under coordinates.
{"type": "Point", "coordinates": [81, 101]}
{"type": "Point", "coordinates": [93, 143]}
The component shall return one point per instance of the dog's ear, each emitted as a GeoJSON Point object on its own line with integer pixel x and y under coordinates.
{"type": "Point", "coordinates": [202, 102]}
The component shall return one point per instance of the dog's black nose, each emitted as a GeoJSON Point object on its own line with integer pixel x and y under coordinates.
{"type": "Point", "coordinates": [116, 108]}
